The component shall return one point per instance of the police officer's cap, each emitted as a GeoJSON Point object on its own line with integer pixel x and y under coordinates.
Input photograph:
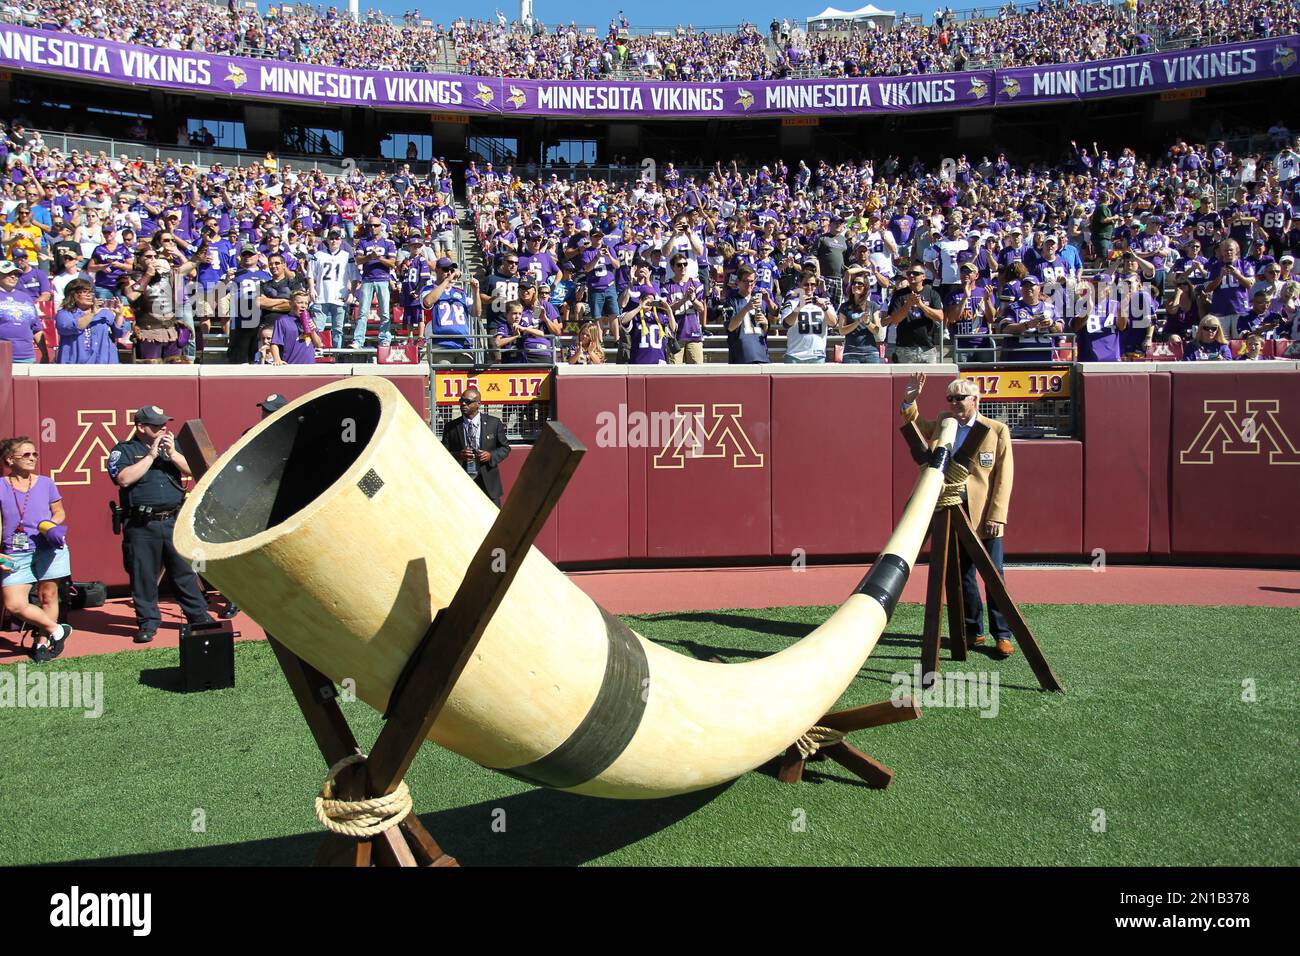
{"type": "Point", "coordinates": [273, 403]}
{"type": "Point", "coordinates": [151, 415]}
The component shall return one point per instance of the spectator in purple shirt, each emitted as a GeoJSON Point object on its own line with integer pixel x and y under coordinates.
{"type": "Point", "coordinates": [1230, 280]}
{"type": "Point", "coordinates": [376, 258]}
{"type": "Point", "coordinates": [294, 340]}
{"type": "Point", "coordinates": [1210, 344]}
{"type": "Point", "coordinates": [88, 333]}
{"type": "Point", "coordinates": [19, 323]}
{"type": "Point", "coordinates": [35, 282]}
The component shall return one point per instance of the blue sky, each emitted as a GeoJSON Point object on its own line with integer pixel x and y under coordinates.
{"type": "Point", "coordinates": [660, 13]}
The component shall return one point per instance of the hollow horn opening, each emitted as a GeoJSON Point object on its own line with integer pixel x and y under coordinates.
{"type": "Point", "coordinates": [287, 466]}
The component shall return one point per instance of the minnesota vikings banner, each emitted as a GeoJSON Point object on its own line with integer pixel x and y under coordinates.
{"type": "Point", "coordinates": [1154, 73]}
{"type": "Point", "coordinates": [49, 52]}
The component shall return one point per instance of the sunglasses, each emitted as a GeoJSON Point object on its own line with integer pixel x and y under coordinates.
{"type": "Point", "coordinates": [28, 454]}
{"type": "Point", "coordinates": [469, 401]}
{"type": "Point", "coordinates": [957, 399]}
{"type": "Point", "coordinates": [916, 275]}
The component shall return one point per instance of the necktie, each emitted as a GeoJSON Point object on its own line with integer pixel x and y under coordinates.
{"type": "Point", "coordinates": [471, 435]}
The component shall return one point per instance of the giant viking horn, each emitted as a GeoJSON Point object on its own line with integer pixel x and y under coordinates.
{"type": "Point", "coordinates": [342, 526]}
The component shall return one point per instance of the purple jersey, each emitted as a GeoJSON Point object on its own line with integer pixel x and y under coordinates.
{"type": "Point", "coordinates": [116, 259]}
{"type": "Point", "coordinates": [604, 263]}
{"type": "Point", "coordinates": [689, 328]}
{"type": "Point", "coordinates": [647, 335]}
{"type": "Point", "coordinates": [1231, 297]}
{"type": "Point", "coordinates": [1099, 339]}
{"type": "Point", "coordinates": [374, 270]}
{"type": "Point", "coordinates": [972, 317]}
{"type": "Point", "coordinates": [415, 273]}
{"type": "Point", "coordinates": [542, 267]}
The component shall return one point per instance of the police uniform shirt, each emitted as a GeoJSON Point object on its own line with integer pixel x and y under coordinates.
{"type": "Point", "coordinates": [160, 487]}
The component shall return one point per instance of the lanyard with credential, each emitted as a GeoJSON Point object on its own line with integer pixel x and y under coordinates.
{"type": "Point", "coordinates": [19, 540]}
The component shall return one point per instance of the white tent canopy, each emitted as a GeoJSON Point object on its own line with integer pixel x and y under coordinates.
{"type": "Point", "coordinates": [831, 17]}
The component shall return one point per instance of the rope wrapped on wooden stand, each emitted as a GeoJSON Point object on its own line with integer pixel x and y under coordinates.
{"type": "Point", "coordinates": [817, 737]}
{"type": "Point", "coordinates": [360, 818]}
{"type": "Point", "coordinates": [954, 486]}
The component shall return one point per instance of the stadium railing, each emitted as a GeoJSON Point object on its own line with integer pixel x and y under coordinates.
{"type": "Point", "coordinates": [161, 152]}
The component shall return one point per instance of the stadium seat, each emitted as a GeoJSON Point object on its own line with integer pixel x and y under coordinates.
{"type": "Point", "coordinates": [1165, 351]}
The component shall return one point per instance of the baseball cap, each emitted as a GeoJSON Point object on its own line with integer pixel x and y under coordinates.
{"type": "Point", "coordinates": [149, 414]}
{"type": "Point", "coordinates": [1287, 258]}
{"type": "Point", "coordinates": [445, 263]}
{"type": "Point", "coordinates": [273, 402]}
{"type": "Point", "coordinates": [968, 267]}
{"type": "Point", "coordinates": [527, 283]}
{"type": "Point", "coordinates": [247, 249]}
{"type": "Point", "coordinates": [20, 253]}
{"type": "Point", "coordinates": [7, 267]}
{"type": "Point", "coordinates": [1029, 280]}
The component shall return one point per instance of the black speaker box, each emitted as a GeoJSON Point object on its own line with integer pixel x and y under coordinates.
{"type": "Point", "coordinates": [207, 656]}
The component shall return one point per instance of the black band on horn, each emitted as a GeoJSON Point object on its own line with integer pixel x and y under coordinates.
{"type": "Point", "coordinates": [884, 582]}
{"type": "Point", "coordinates": [939, 457]}
{"type": "Point", "coordinates": [610, 724]}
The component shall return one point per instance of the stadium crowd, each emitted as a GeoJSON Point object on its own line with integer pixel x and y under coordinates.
{"type": "Point", "coordinates": [1055, 31]}
{"type": "Point", "coordinates": [1121, 252]}
{"type": "Point", "coordinates": [1009, 260]}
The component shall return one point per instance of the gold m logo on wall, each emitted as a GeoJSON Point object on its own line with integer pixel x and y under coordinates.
{"type": "Point", "coordinates": [724, 436]}
{"type": "Point", "coordinates": [94, 441]}
{"type": "Point", "coordinates": [1258, 429]}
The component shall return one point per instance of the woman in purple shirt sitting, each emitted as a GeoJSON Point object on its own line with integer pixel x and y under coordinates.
{"type": "Point", "coordinates": [1210, 345]}
{"type": "Point", "coordinates": [33, 537]}
{"type": "Point", "coordinates": [88, 333]}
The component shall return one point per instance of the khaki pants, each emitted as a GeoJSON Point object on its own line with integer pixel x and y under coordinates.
{"type": "Point", "coordinates": [692, 353]}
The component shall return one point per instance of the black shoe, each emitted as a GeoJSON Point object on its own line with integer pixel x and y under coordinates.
{"type": "Point", "coordinates": [143, 637]}
{"type": "Point", "coordinates": [40, 653]}
{"type": "Point", "coordinates": [56, 640]}
{"type": "Point", "coordinates": [228, 612]}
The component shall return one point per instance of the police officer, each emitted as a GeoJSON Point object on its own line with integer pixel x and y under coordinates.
{"type": "Point", "coordinates": [149, 468]}
{"type": "Point", "coordinates": [269, 406]}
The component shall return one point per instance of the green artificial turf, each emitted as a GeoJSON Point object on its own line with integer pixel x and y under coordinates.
{"type": "Point", "coordinates": [1153, 732]}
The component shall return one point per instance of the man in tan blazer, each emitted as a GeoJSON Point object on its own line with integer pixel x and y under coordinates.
{"type": "Point", "coordinates": [988, 495]}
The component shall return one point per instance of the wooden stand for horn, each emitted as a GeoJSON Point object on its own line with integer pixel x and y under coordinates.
{"type": "Point", "coordinates": [874, 773]}
{"type": "Point", "coordinates": [432, 670]}
{"type": "Point", "coordinates": [951, 534]}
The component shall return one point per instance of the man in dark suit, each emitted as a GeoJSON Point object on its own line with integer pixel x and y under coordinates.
{"type": "Point", "coordinates": [478, 442]}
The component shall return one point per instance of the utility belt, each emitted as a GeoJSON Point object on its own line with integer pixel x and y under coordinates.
{"type": "Point", "coordinates": [143, 514]}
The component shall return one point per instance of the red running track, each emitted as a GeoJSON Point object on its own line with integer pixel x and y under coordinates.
{"type": "Point", "coordinates": [110, 628]}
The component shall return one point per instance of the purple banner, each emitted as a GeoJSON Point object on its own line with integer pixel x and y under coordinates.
{"type": "Point", "coordinates": [1153, 73]}
{"type": "Point", "coordinates": [48, 52]}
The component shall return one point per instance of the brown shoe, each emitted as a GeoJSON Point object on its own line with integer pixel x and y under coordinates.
{"type": "Point", "coordinates": [975, 641]}
{"type": "Point", "coordinates": [1005, 648]}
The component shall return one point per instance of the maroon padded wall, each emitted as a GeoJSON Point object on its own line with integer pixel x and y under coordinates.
{"type": "Point", "coordinates": [593, 513]}
{"type": "Point", "coordinates": [834, 439]}
{"type": "Point", "coordinates": [1161, 425]}
{"type": "Point", "coordinates": [1117, 487]}
{"type": "Point", "coordinates": [548, 537]}
{"type": "Point", "coordinates": [717, 505]}
{"type": "Point", "coordinates": [1228, 496]}
{"type": "Point", "coordinates": [80, 419]}
{"type": "Point", "coordinates": [228, 406]}
{"type": "Point", "coordinates": [6, 390]}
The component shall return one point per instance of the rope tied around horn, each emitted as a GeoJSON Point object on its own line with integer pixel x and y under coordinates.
{"type": "Point", "coordinates": [360, 818]}
{"type": "Point", "coordinates": [817, 737]}
{"type": "Point", "coordinates": [953, 484]}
